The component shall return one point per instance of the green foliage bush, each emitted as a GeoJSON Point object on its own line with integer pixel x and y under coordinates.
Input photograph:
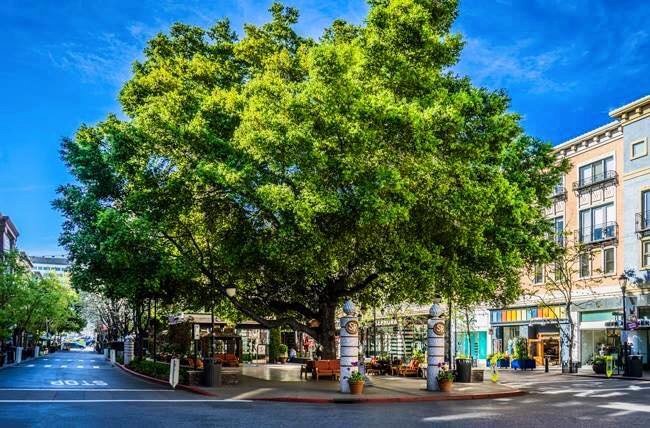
{"type": "Point", "coordinates": [157, 370]}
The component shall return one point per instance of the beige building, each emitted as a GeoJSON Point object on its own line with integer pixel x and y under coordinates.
{"type": "Point", "coordinates": [603, 207]}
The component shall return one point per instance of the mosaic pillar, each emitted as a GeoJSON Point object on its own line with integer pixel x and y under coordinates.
{"type": "Point", "coordinates": [349, 345]}
{"type": "Point", "coordinates": [19, 354]}
{"type": "Point", "coordinates": [112, 356]}
{"type": "Point", "coordinates": [435, 345]}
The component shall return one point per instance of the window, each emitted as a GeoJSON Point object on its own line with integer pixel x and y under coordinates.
{"type": "Point", "coordinates": [597, 224]}
{"type": "Point", "coordinates": [538, 276]}
{"type": "Point", "coordinates": [558, 227]}
{"type": "Point", "coordinates": [645, 210]}
{"type": "Point", "coordinates": [596, 171]}
{"type": "Point", "coordinates": [645, 254]}
{"type": "Point", "coordinates": [585, 268]}
{"type": "Point", "coordinates": [609, 262]}
{"type": "Point", "coordinates": [559, 188]}
{"type": "Point", "coordinates": [639, 149]}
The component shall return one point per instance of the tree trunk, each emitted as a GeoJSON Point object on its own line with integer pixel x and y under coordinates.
{"type": "Point", "coordinates": [327, 330]}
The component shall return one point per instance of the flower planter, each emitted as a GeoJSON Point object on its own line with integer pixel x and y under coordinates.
{"type": "Point", "coordinates": [598, 368]}
{"type": "Point", "coordinates": [522, 364]}
{"type": "Point", "coordinates": [445, 385]}
{"type": "Point", "coordinates": [356, 388]}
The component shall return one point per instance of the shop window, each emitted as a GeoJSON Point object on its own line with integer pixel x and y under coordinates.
{"type": "Point", "coordinates": [609, 261]}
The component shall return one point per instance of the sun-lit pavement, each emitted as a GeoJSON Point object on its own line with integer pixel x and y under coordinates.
{"type": "Point", "coordinates": [81, 389]}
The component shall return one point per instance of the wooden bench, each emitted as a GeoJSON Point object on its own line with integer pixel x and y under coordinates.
{"type": "Point", "coordinates": [411, 369]}
{"type": "Point", "coordinates": [327, 368]}
{"type": "Point", "coordinates": [227, 360]}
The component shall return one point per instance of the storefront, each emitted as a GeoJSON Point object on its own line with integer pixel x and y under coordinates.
{"type": "Point", "coordinates": [540, 325]}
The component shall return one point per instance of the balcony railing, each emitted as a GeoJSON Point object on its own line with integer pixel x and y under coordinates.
{"type": "Point", "coordinates": [598, 233]}
{"type": "Point", "coordinates": [642, 223]}
{"type": "Point", "coordinates": [595, 180]}
{"type": "Point", "coordinates": [559, 192]}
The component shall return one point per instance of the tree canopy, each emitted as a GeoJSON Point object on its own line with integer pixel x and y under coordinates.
{"type": "Point", "coordinates": [303, 171]}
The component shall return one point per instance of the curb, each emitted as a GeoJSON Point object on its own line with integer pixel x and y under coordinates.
{"type": "Point", "coordinates": [188, 388]}
{"type": "Point", "coordinates": [379, 400]}
{"type": "Point", "coordinates": [6, 366]}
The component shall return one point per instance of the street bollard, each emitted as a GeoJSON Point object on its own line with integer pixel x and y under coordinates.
{"type": "Point", "coordinates": [113, 356]}
{"type": "Point", "coordinates": [435, 345]}
{"type": "Point", "coordinates": [37, 350]}
{"type": "Point", "coordinates": [349, 345]}
{"type": "Point", "coordinates": [546, 364]}
{"type": "Point", "coordinates": [19, 354]}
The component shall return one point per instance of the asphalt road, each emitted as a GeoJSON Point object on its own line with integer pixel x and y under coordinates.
{"type": "Point", "coordinates": [70, 389]}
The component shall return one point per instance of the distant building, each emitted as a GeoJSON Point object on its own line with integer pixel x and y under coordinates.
{"type": "Point", "coordinates": [8, 234]}
{"type": "Point", "coordinates": [44, 265]}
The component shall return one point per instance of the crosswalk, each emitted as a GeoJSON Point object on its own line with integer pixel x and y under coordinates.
{"type": "Point", "coordinates": [65, 363]}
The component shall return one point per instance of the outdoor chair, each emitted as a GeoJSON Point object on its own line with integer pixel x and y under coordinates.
{"type": "Point", "coordinates": [411, 369]}
{"type": "Point", "coordinates": [327, 368]}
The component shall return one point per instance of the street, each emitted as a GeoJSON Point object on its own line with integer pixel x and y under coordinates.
{"type": "Point", "coordinates": [69, 389]}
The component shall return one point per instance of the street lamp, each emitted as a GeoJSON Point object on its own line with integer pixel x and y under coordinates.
{"type": "Point", "coordinates": [622, 280]}
{"type": "Point", "coordinates": [231, 291]}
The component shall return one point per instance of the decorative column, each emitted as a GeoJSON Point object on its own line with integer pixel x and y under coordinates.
{"type": "Point", "coordinates": [112, 354]}
{"type": "Point", "coordinates": [435, 344]}
{"type": "Point", "coordinates": [349, 345]}
{"type": "Point", "coordinates": [37, 350]}
{"type": "Point", "coordinates": [128, 350]}
{"type": "Point", "coordinates": [19, 354]}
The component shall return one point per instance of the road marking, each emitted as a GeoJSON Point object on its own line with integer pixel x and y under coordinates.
{"type": "Point", "coordinates": [80, 367]}
{"type": "Point", "coordinates": [64, 366]}
{"type": "Point", "coordinates": [30, 365]}
{"type": "Point", "coordinates": [200, 400]}
{"type": "Point", "coordinates": [47, 366]}
{"type": "Point", "coordinates": [95, 367]}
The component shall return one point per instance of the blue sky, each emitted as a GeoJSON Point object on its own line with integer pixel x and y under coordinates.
{"type": "Point", "coordinates": [565, 64]}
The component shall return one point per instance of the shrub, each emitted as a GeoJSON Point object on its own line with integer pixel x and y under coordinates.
{"type": "Point", "coordinates": [356, 377]}
{"type": "Point", "coordinates": [157, 370]}
{"type": "Point", "coordinates": [282, 350]}
{"type": "Point", "coordinates": [274, 344]}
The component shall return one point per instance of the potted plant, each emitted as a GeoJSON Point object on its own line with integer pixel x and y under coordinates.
{"type": "Point", "coordinates": [445, 378]}
{"type": "Point", "coordinates": [463, 368]}
{"type": "Point", "coordinates": [282, 350]}
{"type": "Point", "coordinates": [356, 382]}
{"type": "Point", "coordinates": [598, 365]}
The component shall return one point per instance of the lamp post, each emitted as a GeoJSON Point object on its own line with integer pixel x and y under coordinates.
{"type": "Point", "coordinates": [622, 280]}
{"type": "Point", "coordinates": [231, 291]}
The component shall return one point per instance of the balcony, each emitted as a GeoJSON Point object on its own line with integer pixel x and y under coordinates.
{"type": "Point", "coordinates": [642, 223]}
{"type": "Point", "coordinates": [595, 180]}
{"type": "Point", "coordinates": [559, 193]}
{"type": "Point", "coordinates": [598, 234]}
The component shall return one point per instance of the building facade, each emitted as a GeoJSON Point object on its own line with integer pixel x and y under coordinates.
{"type": "Point", "coordinates": [602, 207]}
{"type": "Point", "coordinates": [8, 234]}
{"type": "Point", "coordinates": [45, 265]}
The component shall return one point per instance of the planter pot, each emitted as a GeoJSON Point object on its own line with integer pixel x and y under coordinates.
{"type": "Point", "coordinates": [520, 364]}
{"type": "Point", "coordinates": [356, 388]}
{"type": "Point", "coordinates": [464, 370]}
{"type": "Point", "coordinates": [445, 385]}
{"type": "Point", "coordinates": [599, 368]}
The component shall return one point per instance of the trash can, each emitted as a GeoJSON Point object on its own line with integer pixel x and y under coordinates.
{"type": "Point", "coordinates": [211, 372]}
{"type": "Point", "coordinates": [634, 366]}
{"type": "Point", "coordinates": [463, 370]}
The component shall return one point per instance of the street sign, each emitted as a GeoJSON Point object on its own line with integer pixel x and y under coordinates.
{"type": "Point", "coordinates": [197, 331]}
{"type": "Point", "coordinates": [174, 366]}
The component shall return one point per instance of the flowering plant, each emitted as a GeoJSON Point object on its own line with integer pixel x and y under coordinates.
{"type": "Point", "coordinates": [444, 373]}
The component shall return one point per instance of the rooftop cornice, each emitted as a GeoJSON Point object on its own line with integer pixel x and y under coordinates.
{"type": "Point", "coordinates": [632, 110]}
{"type": "Point", "coordinates": [589, 140]}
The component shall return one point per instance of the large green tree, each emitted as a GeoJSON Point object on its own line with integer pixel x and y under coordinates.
{"type": "Point", "coordinates": [304, 171]}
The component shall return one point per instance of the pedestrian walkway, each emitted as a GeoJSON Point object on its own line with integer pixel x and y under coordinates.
{"type": "Point", "coordinates": [283, 383]}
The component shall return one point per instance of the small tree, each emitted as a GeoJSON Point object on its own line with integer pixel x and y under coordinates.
{"type": "Point", "coordinates": [562, 282]}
